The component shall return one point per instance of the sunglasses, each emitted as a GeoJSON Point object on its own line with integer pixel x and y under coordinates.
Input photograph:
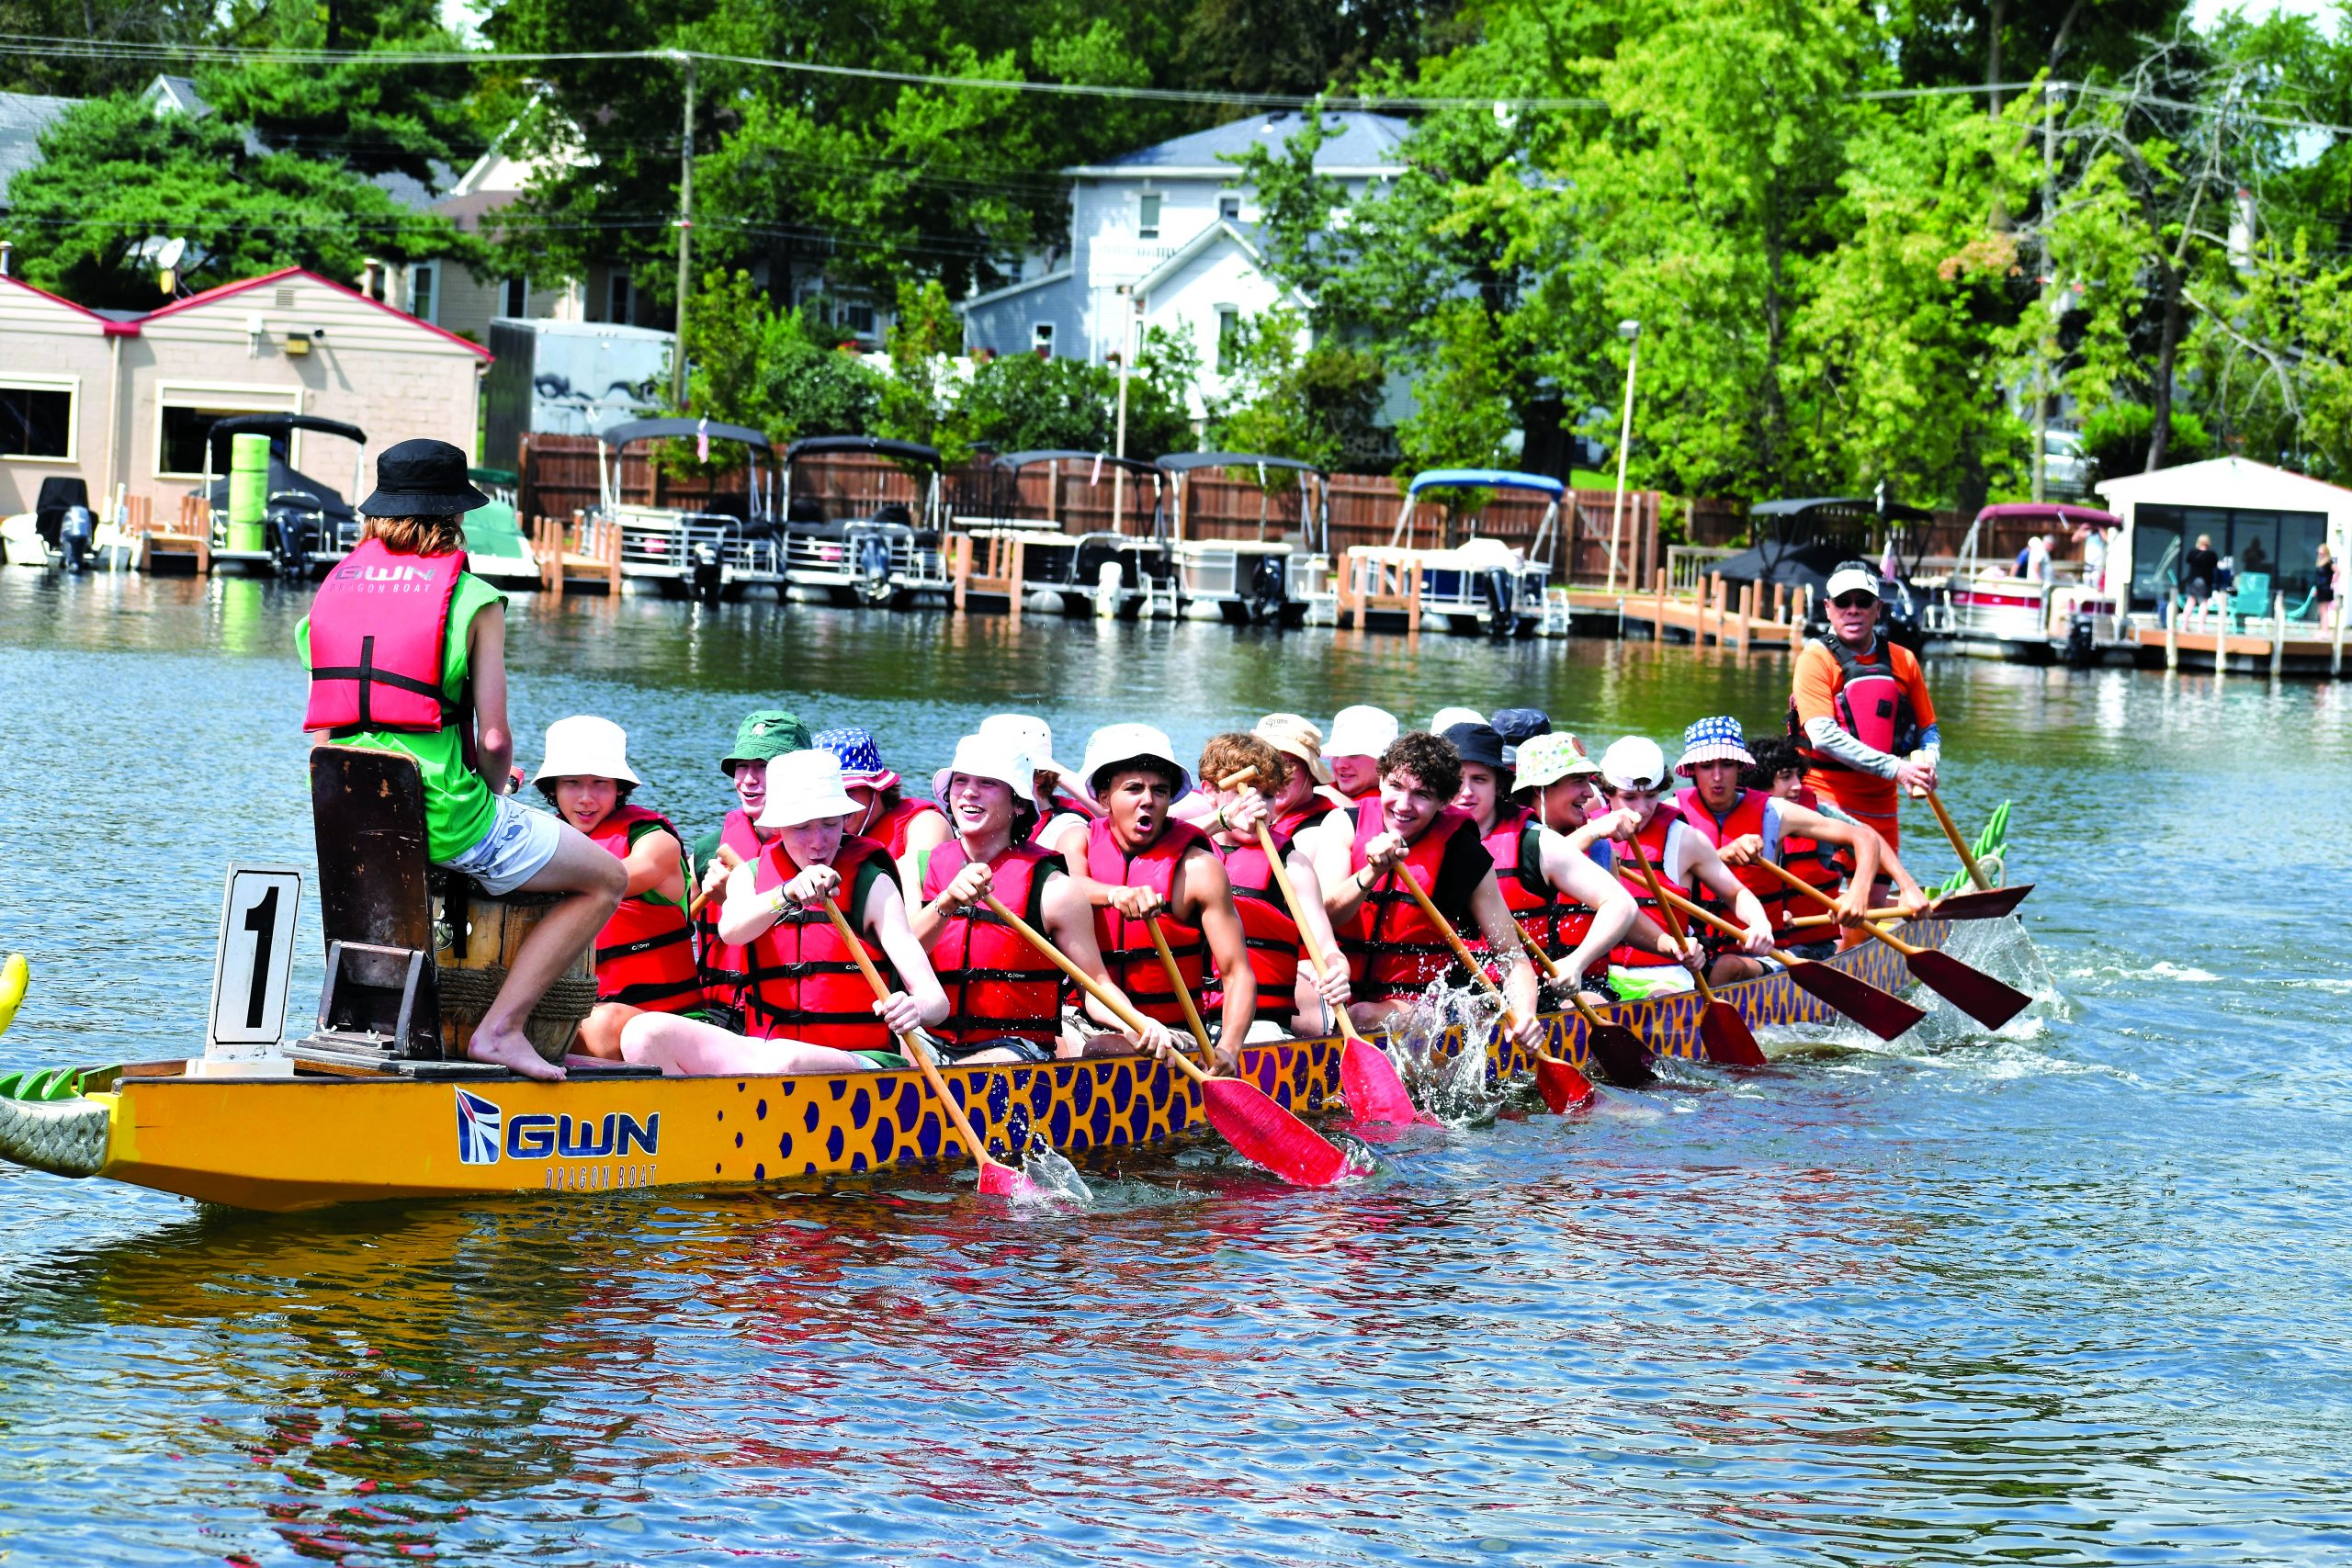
{"type": "Point", "coordinates": [1855, 601]}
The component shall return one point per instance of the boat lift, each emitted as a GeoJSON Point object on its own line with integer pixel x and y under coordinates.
{"type": "Point", "coordinates": [677, 552]}
{"type": "Point", "coordinates": [1479, 586]}
{"type": "Point", "coordinates": [882, 558]}
{"type": "Point", "coordinates": [1257, 581]}
{"type": "Point", "coordinates": [1071, 566]}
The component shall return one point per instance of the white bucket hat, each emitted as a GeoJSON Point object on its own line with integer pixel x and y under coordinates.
{"type": "Point", "coordinates": [584, 746]}
{"type": "Point", "coordinates": [1448, 717]}
{"type": "Point", "coordinates": [988, 757]}
{"type": "Point", "coordinates": [1361, 731]}
{"type": "Point", "coordinates": [804, 787]}
{"type": "Point", "coordinates": [1123, 743]}
{"type": "Point", "coordinates": [1027, 734]}
{"type": "Point", "coordinates": [1635, 761]}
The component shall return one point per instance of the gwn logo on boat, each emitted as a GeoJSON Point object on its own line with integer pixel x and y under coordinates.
{"type": "Point", "coordinates": [486, 1133]}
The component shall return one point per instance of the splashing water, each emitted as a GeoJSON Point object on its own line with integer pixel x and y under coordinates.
{"type": "Point", "coordinates": [1054, 1180]}
{"type": "Point", "coordinates": [1454, 1090]}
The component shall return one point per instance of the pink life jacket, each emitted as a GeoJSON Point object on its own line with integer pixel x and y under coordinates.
{"type": "Point", "coordinates": [378, 632]}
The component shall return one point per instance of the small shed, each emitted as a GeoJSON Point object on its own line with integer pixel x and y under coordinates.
{"type": "Point", "coordinates": [2262, 519]}
{"type": "Point", "coordinates": [128, 398]}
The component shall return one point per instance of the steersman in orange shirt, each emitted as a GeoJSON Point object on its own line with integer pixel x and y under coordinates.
{"type": "Point", "coordinates": [1858, 709]}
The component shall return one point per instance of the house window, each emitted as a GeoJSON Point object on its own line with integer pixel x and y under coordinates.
{"type": "Point", "coordinates": [184, 416]}
{"type": "Point", "coordinates": [1041, 339]}
{"type": "Point", "coordinates": [515, 297]}
{"type": "Point", "coordinates": [1228, 330]}
{"type": "Point", "coordinates": [620, 301]}
{"type": "Point", "coordinates": [36, 418]}
{"type": "Point", "coordinates": [1229, 206]}
{"type": "Point", "coordinates": [421, 291]}
{"type": "Point", "coordinates": [1148, 216]}
{"type": "Point", "coordinates": [858, 319]}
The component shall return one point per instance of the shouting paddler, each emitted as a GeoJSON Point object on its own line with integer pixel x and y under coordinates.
{"type": "Point", "coordinates": [1138, 862]}
{"type": "Point", "coordinates": [1860, 711]}
{"type": "Point", "coordinates": [806, 1008]}
{"type": "Point", "coordinates": [1633, 775]}
{"type": "Point", "coordinates": [1748, 826]}
{"type": "Point", "coordinates": [407, 653]}
{"type": "Point", "coordinates": [1003, 996]}
{"type": "Point", "coordinates": [1408, 830]}
{"type": "Point", "coordinates": [645, 954]}
{"type": "Point", "coordinates": [885, 815]}
{"type": "Point", "coordinates": [1290, 994]}
{"type": "Point", "coordinates": [763, 736]}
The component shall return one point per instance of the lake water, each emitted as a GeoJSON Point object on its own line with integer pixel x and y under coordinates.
{"type": "Point", "coordinates": [2077, 1294]}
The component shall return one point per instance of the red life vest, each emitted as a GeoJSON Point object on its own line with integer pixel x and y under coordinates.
{"type": "Point", "coordinates": [1746, 815]}
{"type": "Point", "coordinates": [1393, 951]}
{"type": "Point", "coordinates": [724, 967]}
{"type": "Point", "coordinates": [1821, 865]}
{"type": "Point", "coordinates": [1653, 839]}
{"type": "Point", "coordinates": [645, 954]}
{"type": "Point", "coordinates": [1308, 813]}
{"type": "Point", "coordinates": [1128, 950]}
{"type": "Point", "coordinates": [997, 984]}
{"type": "Point", "coordinates": [802, 983]}
{"type": "Point", "coordinates": [1266, 927]}
{"type": "Point", "coordinates": [379, 628]}
{"type": "Point", "coordinates": [1516, 846]}
{"type": "Point", "coordinates": [889, 829]}
{"type": "Point", "coordinates": [1870, 704]}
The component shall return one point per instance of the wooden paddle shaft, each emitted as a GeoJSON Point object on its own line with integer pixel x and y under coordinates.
{"type": "Point", "coordinates": [1959, 844]}
{"type": "Point", "coordinates": [1799, 884]}
{"type": "Point", "coordinates": [907, 1042]}
{"type": "Point", "coordinates": [1543, 959]}
{"type": "Point", "coordinates": [1176, 982]}
{"type": "Point", "coordinates": [1673, 926]}
{"type": "Point", "coordinates": [1315, 952]}
{"type": "Point", "coordinates": [1118, 1004]}
{"type": "Point", "coordinates": [1697, 912]}
{"type": "Point", "coordinates": [1886, 912]}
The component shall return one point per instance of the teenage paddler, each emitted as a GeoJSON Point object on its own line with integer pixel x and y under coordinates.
{"type": "Point", "coordinates": [1778, 771]}
{"type": "Point", "coordinates": [407, 653]}
{"type": "Point", "coordinates": [1748, 826]}
{"type": "Point", "coordinates": [1408, 829]}
{"type": "Point", "coordinates": [1595, 914]}
{"type": "Point", "coordinates": [1360, 735]}
{"type": "Point", "coordinates": [1138, 859]}
{"type": "Point", "coordinates": [885, 814]}
{"type": "Point", "coordinates": [1634, 776]}
{"type": "Point", "coordinates": [1059, 797]}
{"type": "Point", "coordinates": [1301, 803]}
{"type": "Point", "coordinates": [1860, 711]}
{"type": "Point", "coordinates": [1293, 997]}
{"type": "Point", "coordinates": [1003, 996]}
{"type": "Point", "coordinates": [806, 1008]}
{"type": "Point", "coordinates": [645, 954]}
{"type": "Point", "coordinates": [764, 734]}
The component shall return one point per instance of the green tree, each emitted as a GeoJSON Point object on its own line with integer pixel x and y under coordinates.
{"type": "Point", "coordinates": [1313, 403]}
{"type": "Point", "coordinates": [925, 341]}
{"type": "Point", "coordinates": [1022, 402]}
{"type": "Point", "coordinates": [750, 363]}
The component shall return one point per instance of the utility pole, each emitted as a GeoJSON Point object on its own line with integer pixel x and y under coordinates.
{"type": "Point", "coordinates": [685, 239]}
{"type": "Point", "coordinates": [2046, 370]}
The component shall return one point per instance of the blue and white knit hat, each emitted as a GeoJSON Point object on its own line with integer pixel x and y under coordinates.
{"type": "Point", "coordinates": [1716, 740]}
{"type": "Point", "coordinates": [861, 759]}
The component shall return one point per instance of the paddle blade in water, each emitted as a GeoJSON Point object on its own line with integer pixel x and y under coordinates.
{"type": "Point", "coordinates": [1369, 1082]}
{"type": "Point", "coordinates": [1625, 1061]}
{"type": "Point", "coordinates": [1563, 1088]}
{"type": "Point", "coordinates": [1003, 1181]}
{"type": "Point", "coordinates": [1884, 1013]}
{"type": "Point", "coordinates": [1989, 905]}
{"type": "Point", "coordinates": [1989, 1001]}
{"type": "Point", "coordinates": [1728, 1038]}
{"type": "Point", "coordinates": [1265, 1135]}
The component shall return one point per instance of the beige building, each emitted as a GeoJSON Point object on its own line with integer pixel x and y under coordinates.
{"type": "Point", "coordinates": [122, 398]}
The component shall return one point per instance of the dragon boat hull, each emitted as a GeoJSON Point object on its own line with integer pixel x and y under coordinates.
{"type": "Point", "coordinates": [280, 1141]}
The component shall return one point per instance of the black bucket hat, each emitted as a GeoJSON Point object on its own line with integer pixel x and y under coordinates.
{"type": "Point", "coordinates": [1478, 743]}
{"type": "Point", "coordinates": [1520, 726]}
{"type": "Point", "coordinates": [422, 477]}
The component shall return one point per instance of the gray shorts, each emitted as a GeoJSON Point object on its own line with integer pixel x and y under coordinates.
{"type": "Point", "coordinates": [519, 844]}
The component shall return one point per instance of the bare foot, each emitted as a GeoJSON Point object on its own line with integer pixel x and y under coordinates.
{"type": "Point", "coordinates": [510, 1049]}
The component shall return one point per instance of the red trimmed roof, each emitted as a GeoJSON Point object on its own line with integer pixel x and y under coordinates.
{"type": "Point", "coordinates": [226, 290]}
{"type": "Point", "coordinates": [111, 328]}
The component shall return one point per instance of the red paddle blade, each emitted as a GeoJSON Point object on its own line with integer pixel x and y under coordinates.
{"type": "Point", "coordinates": [1624, 1060]}
{"type": "Point", "coordinates": [1265, 1135]}
{"type": "Point", "coordinates": [1004, 1181]}
{"type": "Point", "coordinates": [1989, 1001]}
{"type": "Point", "coordinates": [1563, 1088]}
{"type": "Point", "coordinates": [1884, 1013]}
{"type": "Point", "coordinates": [1728, 1038]}
{"type": "Point", "coordinates": [1368, 1081]}
{"type": "Point", "coordinates": [1989, 905]}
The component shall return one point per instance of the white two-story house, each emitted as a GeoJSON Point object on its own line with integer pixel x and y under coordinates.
{"type": "Point", "coordinates": [1166, 236]}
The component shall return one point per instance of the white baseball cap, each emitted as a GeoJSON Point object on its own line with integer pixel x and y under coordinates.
{"type": "Point", "coordinates": [988, 757]}
{"type": "Point", "coordinates": [1633, 761]}
{"type": "Point", "coordinates": [1852, 576]}
{"type": "Point", "coordinates": [804, 787]}
{"type": "Point", "coordinates": [1116, 743]}
{"type": "Point", "coordinates": [1027, 734]}
{"type": "Point", "coordinates": [584, 746]}
{"type": "Point", "coordinates": [1361, 731]}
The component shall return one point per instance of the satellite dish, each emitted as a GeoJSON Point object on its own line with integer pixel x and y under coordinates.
{"type": "Point", "coordinates": [169, 256]}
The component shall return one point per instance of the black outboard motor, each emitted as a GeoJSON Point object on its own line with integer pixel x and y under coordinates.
{"type": "Point", "coordinates": [708, 581]}
{"type": "Point", "coordinates": [2082, 642]}
{"type": "Point", "coordinates": [61, 496]}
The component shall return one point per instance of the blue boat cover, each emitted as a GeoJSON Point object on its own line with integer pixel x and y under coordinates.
{"type": "Point", "coordinates": [1484, 479]}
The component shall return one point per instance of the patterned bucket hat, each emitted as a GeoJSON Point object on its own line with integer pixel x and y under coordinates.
{"type": "Point", "coordinates": [861, 759]}
{"type": "Point", "coordinates": [1715, 739]}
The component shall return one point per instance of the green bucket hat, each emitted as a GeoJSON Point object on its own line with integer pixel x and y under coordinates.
{"type": "Point", "coordinates": [762, 736]}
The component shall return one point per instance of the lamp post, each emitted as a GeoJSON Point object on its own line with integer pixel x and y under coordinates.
{"type": "Point", "coordinates": [1632, 332]}
{"type": "Point", "coordinates": [1119, 435]}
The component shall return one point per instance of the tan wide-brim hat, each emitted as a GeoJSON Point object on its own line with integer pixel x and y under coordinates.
{"type": "Point", "coordinates": [1296, 736]}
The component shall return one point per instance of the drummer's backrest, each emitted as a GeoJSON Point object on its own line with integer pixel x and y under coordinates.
{"type": "Point", "coordinates": [368, 810]}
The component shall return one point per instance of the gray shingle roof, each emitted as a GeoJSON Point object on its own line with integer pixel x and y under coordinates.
{"type": "Point", "coordinates": [23, 117]}
{"type": "Point", "coordinates": [1357, 138]}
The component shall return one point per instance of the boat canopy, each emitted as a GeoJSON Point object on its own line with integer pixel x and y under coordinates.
{"type": "Point", "coordinates": [2048, 511]}
{"type": "Point", "coordinates": [277, 427]}
{"type": "Point", "coordinates": [1484, 479]}
{"type": "Point", "coordinates": [874, 445]}
{"type": "Point", "coordinates": [619, 435]}
{"type": "Point", "coordinates": [1012, 460]}
{"type": "Point", "coordinates": [1186, 462]}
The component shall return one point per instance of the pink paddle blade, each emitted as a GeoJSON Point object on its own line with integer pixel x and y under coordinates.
{"type": "Point", "coordinates": [1728, 1038]}
{"type": "Point", "coordinates": [1563, 1088]}
{"type": "Point", "coordinates": [1368, 1081]}
{"type": "Point", "coordinates": [1003, 1181]}
{"type": "Point", "coordinates": [1267, 1135]}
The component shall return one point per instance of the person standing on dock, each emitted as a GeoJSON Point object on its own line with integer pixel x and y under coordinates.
{"type": "Point", "coordinates": [1860, 711]}
{"type": "Point", "coordinates": [1360, 735]}
{"type": "Point", "coordinates": [407, 653]}
{"type": "Point", "coordinates": [763, 737]}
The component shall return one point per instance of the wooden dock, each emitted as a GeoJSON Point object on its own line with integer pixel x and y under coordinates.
{"type": "Point", "coordinates": [578, 553]}
{"type": "Point", "coordinates": [1745, 622]}
{"type": "Point", "coordinates": [2275, 644]}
